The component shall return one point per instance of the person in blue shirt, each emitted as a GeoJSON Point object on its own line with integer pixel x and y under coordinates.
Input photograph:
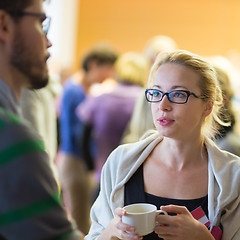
{"type": "Point", "coordinates": [73, 167]}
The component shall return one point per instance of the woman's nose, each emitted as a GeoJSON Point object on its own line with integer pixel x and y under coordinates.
{"type": "Point", "coordinates": [165, 104]}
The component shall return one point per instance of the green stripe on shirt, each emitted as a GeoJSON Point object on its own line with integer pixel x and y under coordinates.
{"type": "Point", "coordinates": [11, 116]}
{"type": "Point", "coordinates": [19, 149]}
{"type": "Point", "coordinates": [31, 210]}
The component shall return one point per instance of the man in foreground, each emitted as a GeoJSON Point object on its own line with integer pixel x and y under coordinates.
{"type": "Point", "coordinates": [30, 206]}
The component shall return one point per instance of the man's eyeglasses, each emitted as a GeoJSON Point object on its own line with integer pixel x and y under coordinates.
{"type": "Point", "coordinates": [45, 20]}
{"type": "Point", "coordinates": [176, 96]}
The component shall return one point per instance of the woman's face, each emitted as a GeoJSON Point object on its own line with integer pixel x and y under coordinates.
{"type": "Point", "coordinates": [178, 121]}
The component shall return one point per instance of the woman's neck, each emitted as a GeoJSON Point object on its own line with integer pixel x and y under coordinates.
{"type": "Point", "coordinates": [181, 155]}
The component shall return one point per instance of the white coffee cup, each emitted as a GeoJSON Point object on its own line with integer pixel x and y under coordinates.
{"type": "Point", "coordinates": [142, 217]}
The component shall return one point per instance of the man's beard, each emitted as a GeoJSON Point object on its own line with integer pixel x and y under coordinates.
{"type": "Point", "coordinates": [28, 63]}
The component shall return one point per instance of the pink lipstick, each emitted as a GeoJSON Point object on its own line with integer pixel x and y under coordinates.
{"type": "Point", "coordinates": [164, 121]}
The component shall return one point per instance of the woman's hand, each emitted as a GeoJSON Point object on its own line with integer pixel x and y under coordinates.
{"type": "Point", "coordinates": [119, 230]}
{"type": "Point", "coordinates": [183, 226]}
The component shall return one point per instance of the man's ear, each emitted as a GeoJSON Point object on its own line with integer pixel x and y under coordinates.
{"type": "Point", "coordinates": [92, 65]}
{"type": "Point", "coordinates": [5, 26]}
{"type": "Point", "coordinates": [208, 108]}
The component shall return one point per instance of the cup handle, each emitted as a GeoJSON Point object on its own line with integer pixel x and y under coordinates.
{"type": "Point", "coordinates": [161, 211]}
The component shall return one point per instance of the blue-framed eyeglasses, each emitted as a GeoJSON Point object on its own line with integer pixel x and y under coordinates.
{"type": "Point", "coordinates": [45, 20]}
{"type": "Point", "coordinates": [176, 96]}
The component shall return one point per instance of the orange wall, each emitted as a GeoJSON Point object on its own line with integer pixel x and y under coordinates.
{"type": "Point", "coordinates": [204, 27]}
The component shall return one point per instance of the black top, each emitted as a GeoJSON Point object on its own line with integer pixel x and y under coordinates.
{"type": "Point", "coordinates": [134, 193]}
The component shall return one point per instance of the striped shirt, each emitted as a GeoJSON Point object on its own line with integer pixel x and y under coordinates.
{"type": "Point", "coordinates": [30, 204]}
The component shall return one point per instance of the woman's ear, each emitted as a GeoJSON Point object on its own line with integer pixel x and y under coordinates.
{"type": "Point", "coordinates": [208, 108]}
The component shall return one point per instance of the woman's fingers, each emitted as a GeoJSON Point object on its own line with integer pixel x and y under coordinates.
{"type": "Point", "coordinates": [125, 231]}
{"type": "Point", "coordinates": [125, 227]}
{"type": "Point", "coordinates": [175, 209]}
{"type": "Point", "coordinates": [120, 212]}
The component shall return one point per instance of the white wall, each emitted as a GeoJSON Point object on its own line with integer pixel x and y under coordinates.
{"type": "Point", "coordinates": [62, 32]}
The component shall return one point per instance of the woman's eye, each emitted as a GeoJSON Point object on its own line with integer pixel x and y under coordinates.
{"type": "Point", "coordinates": [179, 95]}
{"type": "Point", "coordinates": [155, 94]}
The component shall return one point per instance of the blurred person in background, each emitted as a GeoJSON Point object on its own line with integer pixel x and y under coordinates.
{"type": "Point", "coordinates": [142, 109]}
{"type": "Point", "coordinates": [227, 137]}
{"type": "Point", "coordinates": [156, 45]}
{"type": "Point", "coordinates": [233, 56]}
{"type": "Point", "coordinates": [39, 108]}
{"type": "Point", "coordinates": [107, 115]}
{"type": "Point", "coordinates": [30, 204]}
{"type": "Point", "coordinates": [74, 172]}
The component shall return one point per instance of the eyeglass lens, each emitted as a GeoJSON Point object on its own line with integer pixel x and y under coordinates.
{"type": "Point", "coordinates": [46, 25]}
{"type": "Point", "coordinates": [177, 96]}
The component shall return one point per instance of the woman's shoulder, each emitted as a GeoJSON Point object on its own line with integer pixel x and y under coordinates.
{"type": "Point", "coordinates": [221, 153]}
{"type": "Point", "coordinates": [129, 153]}
{"type": "Point", "coordinates": [221, 159]}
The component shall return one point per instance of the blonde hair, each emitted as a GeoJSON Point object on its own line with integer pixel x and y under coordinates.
{"type": "Point", "coordinates": [208, 84]}
{"type": "Point", "coordinates": [132, 67]}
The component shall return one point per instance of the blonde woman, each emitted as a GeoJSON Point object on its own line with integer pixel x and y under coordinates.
{"type": "Point", "coordinates": [181, 171]}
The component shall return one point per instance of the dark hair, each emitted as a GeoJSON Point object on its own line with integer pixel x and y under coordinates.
{"type": "Point", "coordinates": [15, 5]}
{"type": "Point", "coordinates": [101, 54]}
